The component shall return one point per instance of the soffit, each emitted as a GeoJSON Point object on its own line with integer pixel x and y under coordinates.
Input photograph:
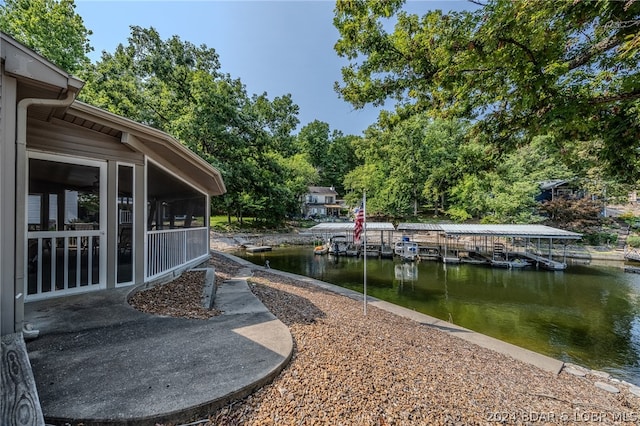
{"type": "Point", "coordinates": [154, 143]}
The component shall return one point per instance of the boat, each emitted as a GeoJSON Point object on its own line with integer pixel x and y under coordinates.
{"type": "Point", "coordinates": [352, 251]}
{"type": "Point", "coordinates": [256, 249]}
{"type": "Point", "coordinates": [510, 264]}
{"type": "Point", "coordinates": [406, 250]}
{"type": "Point", "coordinates": [338, 245]}
{"type": "Point", "coordinates": [473, 258]}
{"type": "Point", "coordinates": [321, 250]}
{"type": "Point", "coordinates": [372, 251]}
{"type": "Point", "coordinates": [429, 253]}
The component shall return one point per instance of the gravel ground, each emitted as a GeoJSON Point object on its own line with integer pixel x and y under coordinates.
{"type": "Point", "coordinates": [181, 298]}
{"type": "Point", "coordinates": [348, 369]}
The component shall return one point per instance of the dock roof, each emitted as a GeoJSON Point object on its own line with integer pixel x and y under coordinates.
{"type": "Point", "coordinates": [504, 230]}
{"type": "Point", "coordinates": [348, 226]}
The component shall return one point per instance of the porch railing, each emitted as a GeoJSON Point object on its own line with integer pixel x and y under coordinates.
{"type": "Point", "coordinates": [172, 248]}
{"type": "Point", "coordinates": [62, 262]}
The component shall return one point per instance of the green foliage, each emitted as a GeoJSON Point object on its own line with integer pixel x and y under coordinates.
{"type": "Point", "coordinates": [628, 217]}
{"type": "Point", "coordinates": [633, 241]}
{"type": "Point", "coordinates": [177, 87]}
{"type": "Point", "coordinates": [49, 27]}
{"type": "Point", "coordinates": [519, 69]}
{"type": "Point", "coordinates": [599, 238]}
{"type": "Point", "coordinates": [331, 153]}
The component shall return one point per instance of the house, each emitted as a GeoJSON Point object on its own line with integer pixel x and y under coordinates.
{"type": "Point", "coordinates": [90, 200]}
{"type": "Point", "coordinates": [558, 188]}
{"type": "Point", "coordinates": [321, 201]}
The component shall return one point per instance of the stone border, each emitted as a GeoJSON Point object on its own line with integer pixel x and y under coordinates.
{"type": "Point", "coordinates": [209, 288]}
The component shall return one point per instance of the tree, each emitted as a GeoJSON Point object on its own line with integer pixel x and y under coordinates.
{"type": "Point", "coordinates": [314, 140]}
{"type": "Point", "coordinates": [177, 87]}
{"type": "Point", "coordinates": [444, 140]}
{"type": "Point", "coordinates": [330, 152]}
{"type": "Point", "coordinates": [51, 28]}
{"type": "Point", "coordinates": [405, 164]}
{"type": "Point", "coordinates": [519, 69]}
{"type": "Point", "coordinates": [502, 188]}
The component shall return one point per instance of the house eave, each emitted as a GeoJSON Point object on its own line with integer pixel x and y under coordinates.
{"type": "Point", "coordinates": [24, 64]}
{"type": "Point", "coordinates": [148, 140]}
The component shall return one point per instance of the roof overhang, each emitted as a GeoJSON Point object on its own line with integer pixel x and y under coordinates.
{"type": "Point", "coordinates": [155, 144]}
{"type": "Point", "coordinates": [26, 65]}
{"type": "Point", "coordinates": [37, 78]}
{"type": "Point", "coordinates": [507, 230]}
{"type": "Point", "coordinates": [41, 79]}
{"type": "Point", "coordinates": [349, 226]}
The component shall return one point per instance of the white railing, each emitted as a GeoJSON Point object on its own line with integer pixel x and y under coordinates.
{"type": "Point", "coordinates": [62, 262]}
{"type": "Point", "coordinates": [172, 248]}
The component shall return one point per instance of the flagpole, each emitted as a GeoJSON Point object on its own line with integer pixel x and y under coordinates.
{"type": "Point", "coordinates": [364, 225]}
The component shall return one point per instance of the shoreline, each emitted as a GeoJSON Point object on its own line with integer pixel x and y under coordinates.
{"type": "Point", "coordinates": [229, 241]}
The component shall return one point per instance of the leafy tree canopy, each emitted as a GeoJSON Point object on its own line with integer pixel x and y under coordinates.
{"type": "Point", "coordinates": [331, 153]}
{"type": "Point", "coordinates": [51, 28]}
{"type": "Point", "coordinates": [517, 68]}
{"type": "Point", "coordinates": [177, 87]}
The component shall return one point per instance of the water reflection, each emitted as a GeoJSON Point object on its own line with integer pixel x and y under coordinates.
{"type": "Point", "coordinates": [586, 315]}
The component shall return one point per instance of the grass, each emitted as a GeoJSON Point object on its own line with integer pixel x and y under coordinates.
{"type": "Point", "coordinates": [221, 223]}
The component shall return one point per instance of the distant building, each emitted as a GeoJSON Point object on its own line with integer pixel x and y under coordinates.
{"type": "Point", "coordinates": [559, 188]}
{"type": "Point", "coordinates": [321, 201]}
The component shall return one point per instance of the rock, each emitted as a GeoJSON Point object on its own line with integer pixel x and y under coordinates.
{"type": "Point", "coordinates": [635, 390]}
{"type": "Point", "coordinates": [575, 371]}
{"type": "Point", "coordinates": [607, 387]}
{"type": "Point", "coordinates": [600, 374]}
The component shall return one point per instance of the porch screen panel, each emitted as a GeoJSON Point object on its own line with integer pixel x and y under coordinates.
{"type": "Point", "coordinates": [177, 231]}
{"type": "Point", "coordinates": [124, 273]}
{"type": "Point", "coordinates": [63, 235]}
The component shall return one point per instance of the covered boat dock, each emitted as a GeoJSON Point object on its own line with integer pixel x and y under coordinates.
{"type": "Point", "coordinates": [379, 237]}
{"type": "Point", "coordinates": [498, 245]}
{"type": "Point", "coordinates": [502, 246]}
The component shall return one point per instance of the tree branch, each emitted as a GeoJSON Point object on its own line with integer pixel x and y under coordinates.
{"type": "Point", "coordinates": [596, 49]}
{"type": "Point", "coordinates": [635, 94]}
{"type": "Point", "coordinates": [528, 51]}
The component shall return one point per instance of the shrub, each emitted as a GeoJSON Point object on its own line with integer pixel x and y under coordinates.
{"type": "Point", "coordinates": [600, 238]}
{"type": "Point", "coordinates": [628, 217]}
{"type": "Point", "coordinates": [633, 241]}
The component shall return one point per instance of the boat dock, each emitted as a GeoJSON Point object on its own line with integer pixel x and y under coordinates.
{"type": "Point", "coordinates": [504, 246]}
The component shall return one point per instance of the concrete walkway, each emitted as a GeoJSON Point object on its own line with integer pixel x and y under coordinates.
{"type": "Point", "coordinates": [100, 361]}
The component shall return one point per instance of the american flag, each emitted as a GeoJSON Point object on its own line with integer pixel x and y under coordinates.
{"type": "Point", "coordinates": [357, 230]}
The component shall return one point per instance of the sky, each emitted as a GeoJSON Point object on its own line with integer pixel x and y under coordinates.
{"type": "Point", "coordinates": [277, 47]}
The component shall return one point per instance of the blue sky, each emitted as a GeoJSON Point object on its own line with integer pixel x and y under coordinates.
{"type": "Point", "coordinates": [277, 47]}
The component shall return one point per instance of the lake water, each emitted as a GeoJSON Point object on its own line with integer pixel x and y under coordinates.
{"type": "Point", "coordinates": [587, 315]}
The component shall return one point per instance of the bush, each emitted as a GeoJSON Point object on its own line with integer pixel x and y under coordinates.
{"type": "Point", "coordinates": [633, 241]}
{"type": "Point", "coordinates": [600, 238]}
{"type": "Point", "coordinates": [628, 217]}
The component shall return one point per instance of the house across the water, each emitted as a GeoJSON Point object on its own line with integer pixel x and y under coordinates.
{"type": "Point", "coordinates": [321, 201]}
{"type": "Point", "coordinates": [90, 200]}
